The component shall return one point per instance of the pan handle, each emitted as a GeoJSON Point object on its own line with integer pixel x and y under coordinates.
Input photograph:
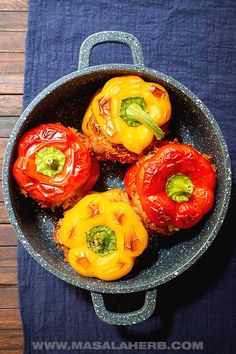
{"type": "Point", "coordinates": [128, 318]}
{"type": "Point", "coordinates": [108, 37]}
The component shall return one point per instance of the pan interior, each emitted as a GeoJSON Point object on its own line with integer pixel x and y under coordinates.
{"type": "Point", "coordinates": [67, 104]}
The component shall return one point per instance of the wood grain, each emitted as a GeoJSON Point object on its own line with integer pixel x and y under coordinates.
{"type": "Point", "coordinates": [14, 5]}
{"type": "Point", "coordinates": [3, 144]}
{"type": "Point", "coordinates": [8, 256]}
{"type": "Point", "coordinates": [10, 105]}
{"type": "Point", "coordinates": [7, 235]}
{"type": "Point", "coordinates": [8, 276]}
{"type": "Point", "coordinates": [11, 83]}
{"type": "Point", "coordinates": [9, 298]}
{"type": "Point", "coordinates": [11, 318]}
{"type": "Point", "coordinates": [13, 21]}
{"type": "Point", "coordinates": [11, 339]}
{"type": "Point", "coordinates": [12, 63]}
{"type": "Point", "coordinates": [11, 351]}
{"type": "Point", "coordinates": [6, 126]}
{"type": "Point", "coordinates": [1, 162]}
{"type": "Point", "coordinates": [3, 214]}
{"type": "Point", "coordinates": [13, 42]}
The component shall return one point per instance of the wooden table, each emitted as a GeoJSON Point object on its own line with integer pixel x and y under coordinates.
{"type": "Point", "coordinates": [13, 24]}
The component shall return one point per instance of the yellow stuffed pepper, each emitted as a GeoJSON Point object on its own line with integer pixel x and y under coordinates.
{"type": "Point", "coordinates": [123, 120]}
{"type": "Point", "coordinates": [103, 235]}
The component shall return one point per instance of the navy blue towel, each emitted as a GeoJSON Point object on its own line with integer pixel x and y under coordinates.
{"type": "Point", "coordinates": [194, 42]}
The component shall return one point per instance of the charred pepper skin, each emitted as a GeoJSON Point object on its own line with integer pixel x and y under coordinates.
{"type": "Point", "coordinates": [152, 179]}
{"type": "Point", "coordinates": [41, 149]}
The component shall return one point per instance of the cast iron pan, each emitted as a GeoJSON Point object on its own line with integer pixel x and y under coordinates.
{"type": "Point", "coordinates": [65, 101]}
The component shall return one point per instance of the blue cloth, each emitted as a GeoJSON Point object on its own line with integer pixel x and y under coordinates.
{"type": "Point", "coordinates": [194, 42]}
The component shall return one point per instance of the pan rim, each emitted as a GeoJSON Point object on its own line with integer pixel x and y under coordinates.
{"type": "Point", "coordinates": [125, 286]}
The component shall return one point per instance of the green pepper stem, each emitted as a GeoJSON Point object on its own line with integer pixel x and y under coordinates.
{"type": "Point", "coordinates": [179, 188]}
{"type": "Point", "coordinates": [49, 161]}
{"type": "Point", "coordinates": [135, 112]}
{"type": "Point", "coordinates": [101, 240]}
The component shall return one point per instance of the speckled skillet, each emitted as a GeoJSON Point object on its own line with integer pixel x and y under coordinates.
{"type": "Point", "coordinates": [65, 101]}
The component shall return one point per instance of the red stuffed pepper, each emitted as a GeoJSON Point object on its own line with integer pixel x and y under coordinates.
{"type": "Point", "coordinates": [173, 188]}
{"type": "Point", "coordinates": [54, 164]}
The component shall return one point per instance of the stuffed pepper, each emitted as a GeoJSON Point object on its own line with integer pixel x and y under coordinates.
{"type": "Point", "coordinates": [125, 117]}
{"type": "Point", "coordinates": [173, 188]}
{"type": "Point", "coordinates": [102, 235]}
{"type": "Point", "coordinates": [54, 164]}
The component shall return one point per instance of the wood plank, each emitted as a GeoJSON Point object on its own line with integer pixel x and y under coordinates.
{"type": "Point", "coordinates": [11, 83]}
{"type": "Point", "coordinates": [6, 126]}
{"type": "Point", "coordinates": [10, 105]}
{"type": "Point", "coordinates": [9, 298]}
{"type": "Point", "coordinates": [11, 351]}
{"type": "Point", "coordinates": [8, 256]}
{"type": "Point", "coordinates": [1, 162]}
{"type": "Point", "coordinates": [10, 319]}
{"type": "Point", "coordinates": [3, 214]}
{"type": "Point", "coordinates": [13, 42]}
{"type": "Point", "coordinates": [13, 21]}
{"type": "Point", "coordinates": [8, 276]}
{"type": "Point", "coordinates": [12, 63]}
{"type": "Point", "coordinates": [13, 5]}
{"type": "Point", "coordinates": [10, 339]}
{"type": "Point", "coordinates": [3, 144]}
{"type": "Point", "coordinates": [1, 167]}
{"type": "Point", "coordinates": [1, 193]}
{"type": "Point", "coordinates": [7, 235]}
